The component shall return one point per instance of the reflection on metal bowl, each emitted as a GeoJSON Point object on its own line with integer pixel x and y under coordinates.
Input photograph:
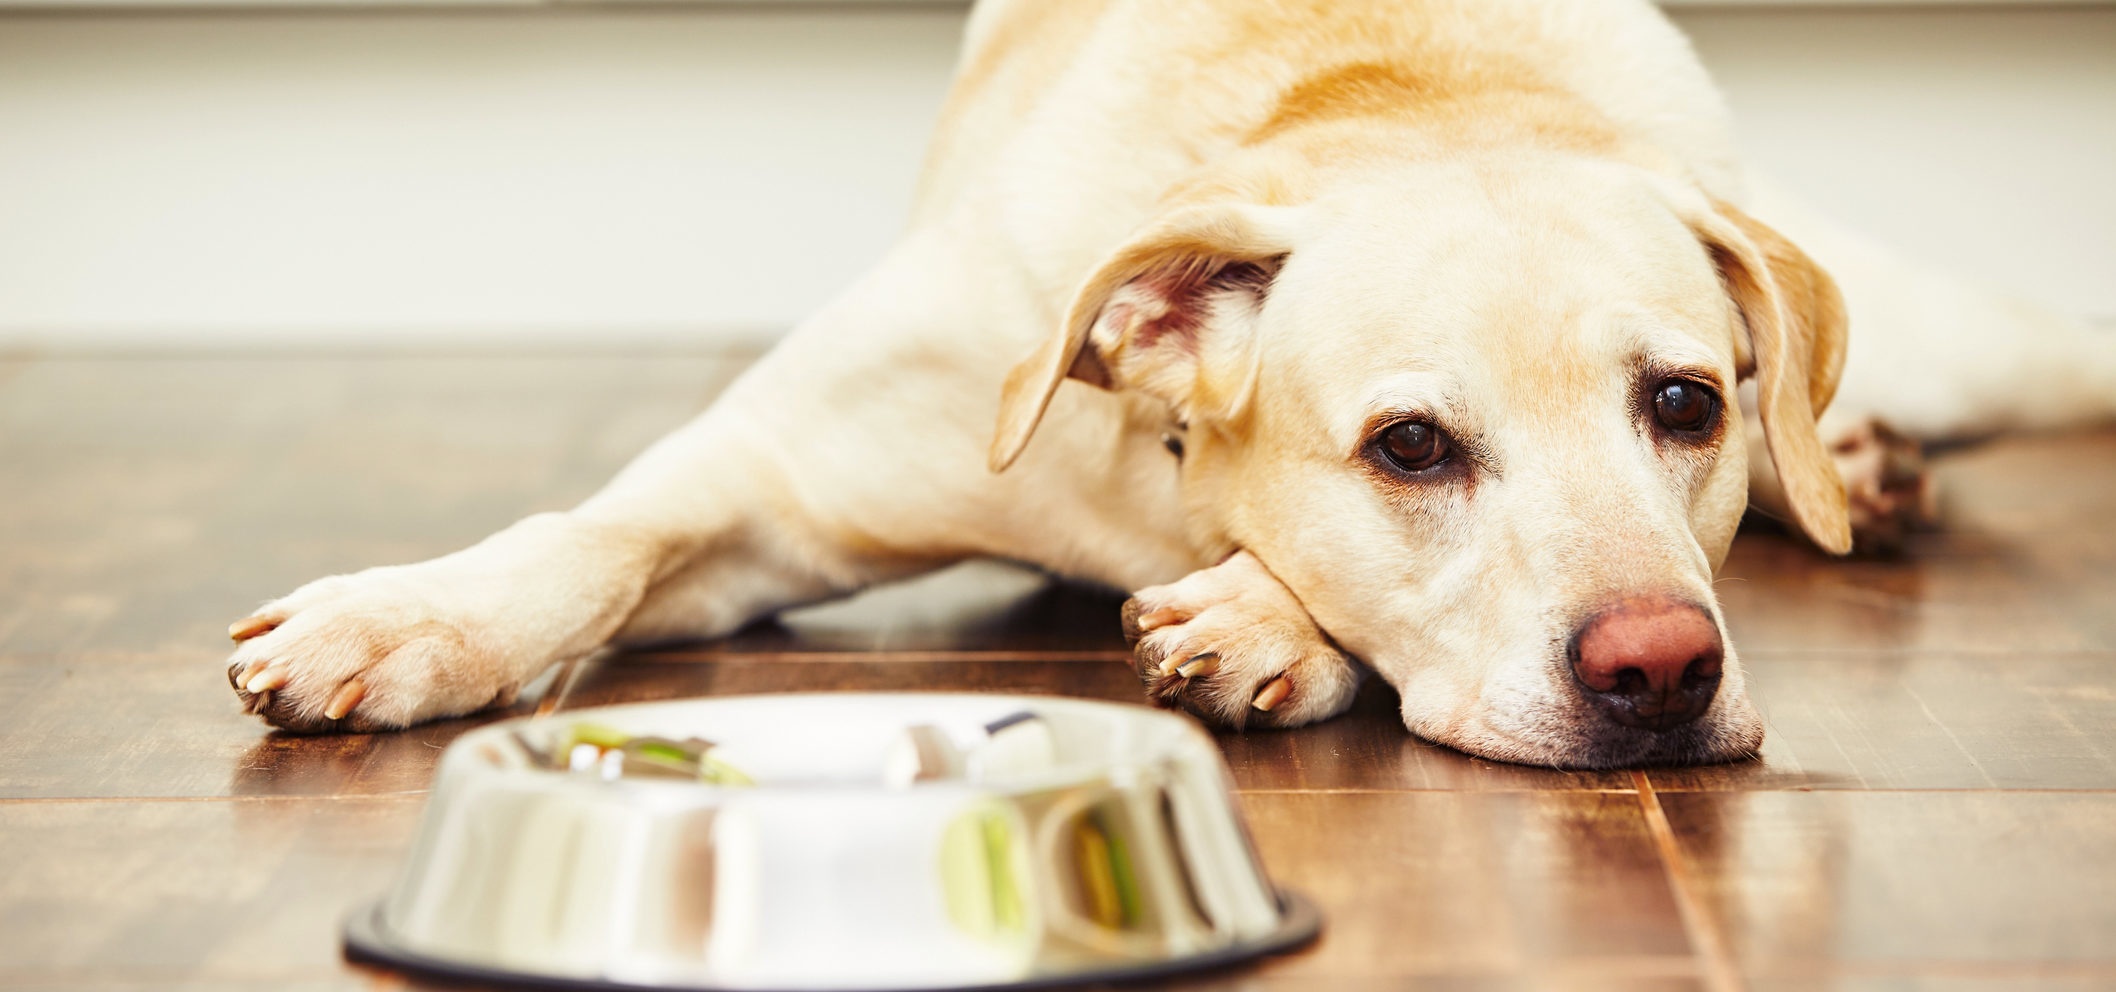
{"type": "Point", "coordinates": [832, 842]}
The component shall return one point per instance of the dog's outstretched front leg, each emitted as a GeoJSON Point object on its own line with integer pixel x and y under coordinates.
{"type": "Point", "coordinates": [794, 487]}
{"type": "Point", "coordinates": [392, 646]}
{"type": "Point", "coordinates": [397, 645]}
{"type": "Point", "coordinates": [1230, 644]}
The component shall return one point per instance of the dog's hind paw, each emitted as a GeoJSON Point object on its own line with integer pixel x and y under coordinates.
{"type": "Point", "coordinates": [1232, 646]}
{"type": "Point", "coordinates": [1887, 487]}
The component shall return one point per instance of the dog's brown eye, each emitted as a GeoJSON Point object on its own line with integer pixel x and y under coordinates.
{"type": "Point", "coordinates": [1685, 405]}
{"type": "Point", "coordinates": [1413, 446]}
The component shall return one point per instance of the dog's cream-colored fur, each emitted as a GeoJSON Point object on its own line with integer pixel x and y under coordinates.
{"type": "Point", "coordinates": [1261, 231]}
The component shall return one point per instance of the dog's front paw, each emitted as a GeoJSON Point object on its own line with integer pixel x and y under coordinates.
{"type": "Point", "coordinates": [1231, 645]}
{"type": "Point", "coordinates": [1886, 485]}
{"type": "Point", "coordinates": [363, 652]}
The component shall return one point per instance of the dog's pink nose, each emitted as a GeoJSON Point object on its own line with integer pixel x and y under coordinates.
{"type": "Point", "coordinates": [1651, 662]}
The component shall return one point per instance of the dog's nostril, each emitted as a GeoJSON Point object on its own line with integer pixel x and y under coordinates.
{"type": "Point", "coordinates": [1629, 682]}
{"type": "Point", "coordinates": [1652, 663]}
{"type": "Point", "coordinates": [1701, 671]}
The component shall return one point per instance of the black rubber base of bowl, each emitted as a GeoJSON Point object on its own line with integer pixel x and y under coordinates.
{"type": "Point", "coordinates": [367, 942]}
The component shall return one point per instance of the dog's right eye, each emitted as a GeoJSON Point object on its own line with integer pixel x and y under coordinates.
{"type": "Point", "coordinates": [1413, 446]}
{"type": "Point", "coordinates": [1685, 406]}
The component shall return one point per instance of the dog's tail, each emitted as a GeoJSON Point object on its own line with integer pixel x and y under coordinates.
{"type": "Point", "coordinates": [1943, 358]}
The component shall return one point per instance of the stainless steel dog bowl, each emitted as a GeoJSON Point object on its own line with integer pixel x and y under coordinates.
{"type": "Point", "coordinates": [831, 842]}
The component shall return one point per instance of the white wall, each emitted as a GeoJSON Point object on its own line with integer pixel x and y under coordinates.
{"type": "Point", "coordinates": [1981, 140]}
{"type": "Point", "coordinates": [659, 173]}
{"type": "Point", "coordinates": [544, 173]}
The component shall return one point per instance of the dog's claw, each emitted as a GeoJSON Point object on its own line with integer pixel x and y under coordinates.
{"type": "Point", "coordinates": [1155, 619]}
{"type": "Point", "coordinates": [1198, 665]}
{"type": "Point", "coordinates": [348, 696]}
{"type": "Point", "coordinates": [243, 630]}
{"type": "Point", "coordinates": [1274, 693]}
{"type": "Point", "coordinates": [1229, 642]}
{"type": "Point", "coordinates": [272, 677]}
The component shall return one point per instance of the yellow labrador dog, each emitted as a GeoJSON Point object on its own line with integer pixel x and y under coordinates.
{"type": "Point", "coordinates": [1402, 335]}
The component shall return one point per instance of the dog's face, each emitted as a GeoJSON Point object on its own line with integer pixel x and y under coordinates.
{"type": "Point", "coordinates": [1481, 423]}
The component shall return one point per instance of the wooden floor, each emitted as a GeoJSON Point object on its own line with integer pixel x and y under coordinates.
{"type": "Point", "coordinates": [1935, 807]}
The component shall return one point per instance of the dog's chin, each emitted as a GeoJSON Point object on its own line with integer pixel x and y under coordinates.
{"type": "Point", "coordinates": [1574, 740]}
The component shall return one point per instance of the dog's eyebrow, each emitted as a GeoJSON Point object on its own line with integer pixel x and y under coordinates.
{"type": "Point", "coordinates": [1430, 393]}
{"type": "Point", "coordinates": [1656, 366]}
{"type": "Point", "coordinates": [1662, 354]}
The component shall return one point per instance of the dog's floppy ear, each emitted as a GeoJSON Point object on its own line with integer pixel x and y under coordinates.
{"type": "Point", "coordinates": [1795, 350]}
{"type": "Point", "coordinates": [1171, 314]}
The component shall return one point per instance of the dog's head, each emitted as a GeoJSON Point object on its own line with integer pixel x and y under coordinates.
{"type": "Point", "coordinates": [1482, 423]}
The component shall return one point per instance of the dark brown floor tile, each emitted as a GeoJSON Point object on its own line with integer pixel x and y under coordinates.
{"type": "Point", "coordinates": [235, 892]}
{"type": "Point", "coordinates": [1979, 884]}
{"type": "Point", "coordinates": [1926, 720]}
{"type": "Point", "coordinates": [1471, 884]}
{"type": "Point", "coordinates": [1995, 597]}
{"type": "Point", "coordinates": [2024, 563]}
{"type": "Point", "coordinates": [150, 502]}
{"type": "Point", "coordinates": [974, 606]}
{"type": "Point", "coordinates": [2053, 485]}
{"type": "Point", "coordinates": [109, 725]}
{"type": "Point", "coordinates": [1639, 975]}
{"type": "Point", "coordinates": [1989, 980]}
{"type": "Point", "coordinates": [1613, 977]}
{"type": "Point", "coordinates": [647, 678]}
{"type": "Point", "coordinates": [346, 982]}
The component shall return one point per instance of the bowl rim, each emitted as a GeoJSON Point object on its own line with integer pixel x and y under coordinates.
{"type": "Point", "coordinates": [367, 940]}
{"type": "Point", "coordinates": [1069, 775]}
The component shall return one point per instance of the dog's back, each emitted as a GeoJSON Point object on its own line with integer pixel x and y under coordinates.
{"type": "Point", "coordinates": [1050, 93]}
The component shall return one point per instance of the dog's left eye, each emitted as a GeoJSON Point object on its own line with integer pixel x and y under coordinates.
{"type": "Point", "coordinates": [1413, 446]}
{"type": "Point", "coordinates": [1685, 405]}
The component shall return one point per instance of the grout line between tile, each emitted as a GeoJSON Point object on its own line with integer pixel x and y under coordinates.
{"type": "Point", "coordinates": [1818, 973]}
{"type": "Point", "coordinates": [1720, 973]}
{"type": "Point", "coordinates": [2025, 790]}
{"type": "Point", "coordinates": [321, 797]}
{"type": "Point", "coordinates": [1913, 651]}
{"type": "Point", "coordinates": [162, 976]}
{"type": "Point", "coordinates": [1428, 790]}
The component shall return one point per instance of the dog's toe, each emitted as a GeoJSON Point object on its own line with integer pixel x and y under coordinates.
{"type": "Point", "coordinates": [1887, 486]}
{"type": "Point", "coordinates": [1231, 646]}
{"type": "Point", "coordinates": [1254, 684]}
{"type": "Point", "coordinates": [359, 656]}
{"type": "Point", "coordinates": [252, 626]}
